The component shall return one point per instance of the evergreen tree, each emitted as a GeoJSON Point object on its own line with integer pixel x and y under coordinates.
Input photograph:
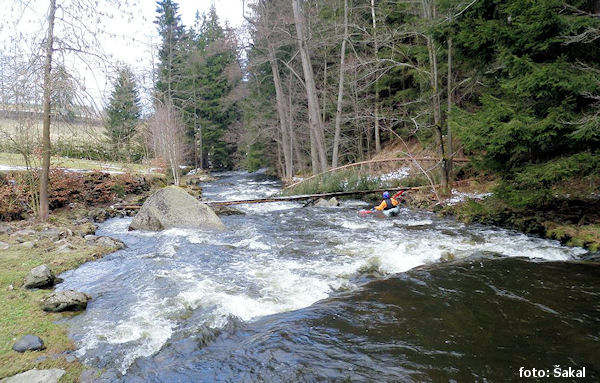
{"type": "Point", "coordinates": [123, 112]}
{"type": "Point", "coordinates": [213, 76]}
{"type": "Point", "coordinates": [170, 57]}
{"type": "Point", "coordinates": [525, 123]}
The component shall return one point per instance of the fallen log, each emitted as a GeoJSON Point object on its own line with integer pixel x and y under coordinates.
{"type": "Point", "coordinates": [305, 196]}
{"type": "Point", "coordinates": [287, 198]}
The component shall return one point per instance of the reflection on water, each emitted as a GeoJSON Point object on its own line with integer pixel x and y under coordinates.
{"type": "Point", "coordinates": [303, 294]}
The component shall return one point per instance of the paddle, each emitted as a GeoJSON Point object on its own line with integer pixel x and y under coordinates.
{"type": "Point", "coordinates": [398, 194]}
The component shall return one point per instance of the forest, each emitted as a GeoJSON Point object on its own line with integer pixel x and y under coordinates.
{"type": "Point", "coordinates": [512, 85]}
{"type": "Point", "coordinates": [214, 191]}
{"type": "Point", "coordinates": [307, 86]}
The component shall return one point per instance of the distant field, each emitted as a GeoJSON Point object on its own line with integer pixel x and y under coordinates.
{"type": "Point", "coordinates": [16, 161]}
{"type": "Point", "coordinates": [75, 133]}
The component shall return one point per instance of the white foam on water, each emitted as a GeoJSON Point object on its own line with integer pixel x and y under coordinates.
{"type": "Point", "coordinates": [264, 273]}
{"type": "Point", "coordinates": [268, 207]}
{"type": "Point", "coordinates": [278, 286]}
{"type": "Point", "coordinates": [141, 334]}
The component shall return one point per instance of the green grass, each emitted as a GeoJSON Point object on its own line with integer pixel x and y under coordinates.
{"type": "Point", "coordinates": [20, 313]}
{"type": "Point", "coordinates": [587, 236]}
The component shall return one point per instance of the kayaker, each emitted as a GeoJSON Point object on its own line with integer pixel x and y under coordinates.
{"type": "Point", "coordinates": [388, 203]}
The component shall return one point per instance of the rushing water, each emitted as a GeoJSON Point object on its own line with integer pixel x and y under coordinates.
{"type": "Point", "coordinates": [292, 294]}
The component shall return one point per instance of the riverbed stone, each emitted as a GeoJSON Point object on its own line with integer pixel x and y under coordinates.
{"type": "Point", "coordinates": [226, 210]}
{"type": "Point", "coordinates": [29, 343]}
{"type": "Point", "coordinates": [90, 238]}
{"type": "Point", "coordinates": [22, 233]}
{"type": "Point", "coordinates": [28, 245]}
{"type": "Point", "coordinates": [89, 376]}
{"type": "Point", "coordinates": [332, 202]}
{"type": "Point", "coordinates": [5, 229]}
{"type": "Point", "coordinates": [39, 277]}
{"type": "Point", "coordinates": [67, 300]}
{"type": "Point", "coordinates": [65, 247]}
{"type": "Point", "coordinates": [99, 215]}
{"type": "Point", "coordinates": [4, 245]}
{"type": "Point", "coordinates": [37, 376]}
{"type": "Point", "coordinates": [172, 207]}
{"type": "Point", "coordinates": [52, 234]}
{"type": "Point", "coordinates": [109, 242]}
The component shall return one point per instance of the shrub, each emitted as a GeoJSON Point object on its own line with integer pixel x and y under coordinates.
{"type": "Point", "coordinates": [12, 197]}
{"type": "Point", "coordinates": [64, 188]}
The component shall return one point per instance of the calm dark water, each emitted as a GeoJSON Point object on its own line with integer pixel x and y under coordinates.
{"type": "Point", "coordinates": [292, 294]}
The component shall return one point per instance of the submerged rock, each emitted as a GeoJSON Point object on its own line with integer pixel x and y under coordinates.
{"type": "Point", "coordinates": [39, 277]}
{"type": "Point", "coordinates": [37, 376]}
{"type": "Point", "coordinates": [172, 207]}
{"type": "Point", "coordinates": [226, 210]}
{"type": "Point", "coordinates": [109, 242]}
{"type": "Point", "coordinates": [332, 202]}
{"type": "Point", "coordinates": [68, 300]}
{"type": "Point", "coordinates": [29, 343]}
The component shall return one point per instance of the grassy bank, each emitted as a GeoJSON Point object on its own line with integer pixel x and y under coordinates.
{"type": "Point", "coordinates": [20, 313]}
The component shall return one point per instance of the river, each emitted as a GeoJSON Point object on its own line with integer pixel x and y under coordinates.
{"type": "Point", "coordinates": [293, 294]}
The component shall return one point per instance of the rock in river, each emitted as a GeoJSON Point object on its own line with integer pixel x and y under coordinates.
{"type": "Point", "coordinates": [67, 300]}
{"type": "Point", "coordinates": [173, 207]}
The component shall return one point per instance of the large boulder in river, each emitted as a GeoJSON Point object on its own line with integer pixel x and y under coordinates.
{"type": "Point", "coordinates": [67, 300]}
{"type": "Point", "coordinates": [173, 207]}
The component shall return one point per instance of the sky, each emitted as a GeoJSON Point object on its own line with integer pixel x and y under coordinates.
{"type": "Point", "coordinates": [128, 35]}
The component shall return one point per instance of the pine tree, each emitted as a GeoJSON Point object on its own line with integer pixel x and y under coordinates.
{"type": "Point", "coordinates": [171, 62]}
{"type": "Point", "coordinates": [212, 79]}
{"type": "Point", "coordinates": [123, 112]}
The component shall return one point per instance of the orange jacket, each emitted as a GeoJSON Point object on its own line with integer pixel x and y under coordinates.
{"type": "Point", "coordinates": [383, 204]}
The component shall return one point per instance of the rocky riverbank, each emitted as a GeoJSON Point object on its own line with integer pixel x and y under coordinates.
{"type": "Point", "coordinates": [66, 241]}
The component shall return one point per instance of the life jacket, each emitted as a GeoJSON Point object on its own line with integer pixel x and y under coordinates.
{"type": "Point", "coordinates": [388, 204]}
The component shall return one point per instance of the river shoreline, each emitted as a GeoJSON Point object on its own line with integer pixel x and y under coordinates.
{"type": "Point", "coordinates": [58, 354]}
{"type": "Point", "coordinates": [28, 244]}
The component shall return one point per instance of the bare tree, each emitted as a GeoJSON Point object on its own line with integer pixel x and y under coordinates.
{"type": "Point", "coordinates": [317, 136]}
{"type": "Point", "coordinates": [168, 137]}
{"type": "Point", "coordinates": [376, 106]}
{"type": "Point", "coordinates": [338, 113]}
{"type": "Point", "coordinates": [46, 149]}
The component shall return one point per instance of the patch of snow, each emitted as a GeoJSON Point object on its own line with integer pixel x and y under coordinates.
{"type": "Point", "coordinates": [395, 175]}
{"type": "Point", "coordinates": [8, 168]}
{"type": "Point", "coordinates": [458, 197]}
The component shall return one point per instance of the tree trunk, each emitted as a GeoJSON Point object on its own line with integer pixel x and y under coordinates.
{"type": "Point", "coordinates": [338, 113]}
{"type": "Point", "coordinates": [281, 111]}
{"type": "Point", "coordinates": [314, 117]}
{"type": "Point", "coordinates": [46, 148]}
{"type": "Point", "coordinates": [376, 51]}
{"type": "Point", "coordinates": [429, 11]}
{"type": "Point", "coordinates": [449, 129]}
{"type": "Point", "coordinates": [294, 140]}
